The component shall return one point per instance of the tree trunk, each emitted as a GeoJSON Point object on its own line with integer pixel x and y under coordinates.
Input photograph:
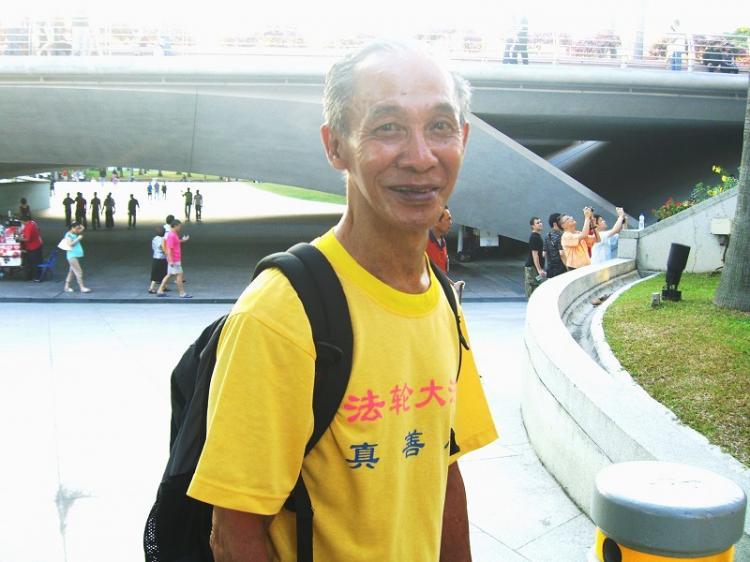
{"type": "Point", "coordinates": [734, 287]}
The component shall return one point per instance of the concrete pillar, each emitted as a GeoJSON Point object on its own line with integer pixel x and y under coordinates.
{"type": "Point", "coordinates": [650, 511]}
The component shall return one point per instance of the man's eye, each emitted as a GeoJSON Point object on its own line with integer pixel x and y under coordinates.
{"type": "Point", "coordinates": [442, 126]}
{"type": "Point", "coordinates": [387, 128]}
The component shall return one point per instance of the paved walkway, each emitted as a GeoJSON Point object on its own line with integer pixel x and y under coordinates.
{"type": "Point", "coordinates": [243, 224]}
{"type": "Point", "coordinates": [85, 404]}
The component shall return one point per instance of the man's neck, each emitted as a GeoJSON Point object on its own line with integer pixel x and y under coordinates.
{"type": "Point", "coordinates": [394, 256]}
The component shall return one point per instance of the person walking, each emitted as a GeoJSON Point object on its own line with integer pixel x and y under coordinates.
{"type": "Point", "coordinates": [150, 190]}
{"type": "Point", "coordinates": [164, 191]}
{"type": "Point", "coordinates": [68, 204]}
{"type": "Point", "coordinates": [173, 250]}
{"type": "Point", "coordinates": [158, 260]}
{"type": "Point", "coordinates": [96, 205]}
{"type": "Point", "coordinates": [80, 209]}
{"type": "Point", "coordinates": [109, 211]}
{"type": "Point", "coordinates": [32, 244]}
{"type": "Point", "coordinates": [156, 188]}
{"type": "Point", "coordinates": [533, 271]}
{"type": "Point", "coordinates": [188, 203]}
{"type": "Point", "coordinates": [554, 259]}
{"type": "Point", "coordinates": [132, 210]}
{"type": "Point", "coordinates": [198, 200]}
{"type": "Point", "coordinates": [74, 254]}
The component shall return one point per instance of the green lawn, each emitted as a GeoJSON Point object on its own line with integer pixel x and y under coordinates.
{"type": "Point", "coordinates": [301, 193]}
{"type": "Point", "coordinates": [691, 356]}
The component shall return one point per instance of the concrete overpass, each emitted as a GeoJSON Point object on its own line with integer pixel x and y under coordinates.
{"type": "Point", "coordinates": [258, 117]}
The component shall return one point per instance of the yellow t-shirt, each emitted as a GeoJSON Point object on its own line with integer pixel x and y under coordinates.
{"type": "Point", "coordinates": [377, 477]}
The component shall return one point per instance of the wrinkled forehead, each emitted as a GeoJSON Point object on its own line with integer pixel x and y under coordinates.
{"type": "Point", "coordinates": [409, 81]}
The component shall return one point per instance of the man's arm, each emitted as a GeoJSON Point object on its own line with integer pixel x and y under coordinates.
{"type": "Point", "coordinates": [454, 546]}
{"type": "Point", "coordinates": [537, 263]}
{"type": "Point", "coordinates": [239, 537]}
{"type": "Point", "coordinates": [619, 223]}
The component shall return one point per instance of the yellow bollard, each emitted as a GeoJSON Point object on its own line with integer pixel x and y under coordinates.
{"type": "Point", "coordinates": [649, 511]}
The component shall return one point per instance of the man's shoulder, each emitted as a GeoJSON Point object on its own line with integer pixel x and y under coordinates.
{"type": "Point", "coordinates": [272, 301]}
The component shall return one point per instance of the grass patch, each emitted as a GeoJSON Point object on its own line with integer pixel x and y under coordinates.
{"type": "Point", "coordinates": [691, 356]}
{"type": "Point", "coordinates": [301, 193]}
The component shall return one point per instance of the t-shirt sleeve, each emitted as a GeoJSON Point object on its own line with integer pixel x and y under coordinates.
{"type": "Point", "coordinates": [473, 425]}
{"type": "Point", "coordinates": [260, 405]}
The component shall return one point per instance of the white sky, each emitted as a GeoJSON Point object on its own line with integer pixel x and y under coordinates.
{"type": "Point", "coordinates": [327, 18]}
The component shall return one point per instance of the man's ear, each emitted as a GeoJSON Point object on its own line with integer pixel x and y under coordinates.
{"type": "Point", "coordinates": [466, 129]}
{"type": "Point", "coordinates": [332, 143]}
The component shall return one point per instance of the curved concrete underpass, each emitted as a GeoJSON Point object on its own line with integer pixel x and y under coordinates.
{"type": "Point", "coordinates": [258, 117]}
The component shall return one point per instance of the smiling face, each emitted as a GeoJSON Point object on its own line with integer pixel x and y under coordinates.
{"type": "Point", "coordinates": [405, 143]}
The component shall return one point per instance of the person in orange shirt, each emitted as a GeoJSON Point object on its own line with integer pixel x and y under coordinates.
{"type": "Point", "coordinates": [576, 243]}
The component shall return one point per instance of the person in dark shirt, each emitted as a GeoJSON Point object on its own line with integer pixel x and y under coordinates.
{"type": "Point", "coordinates": [81, 209]}
{"type": "Point", "coordinates": [96, 204]}
{"type": "Point", "coordinates": [132, 209]}
{"type": "Point", "coordinates": [109, 211]}
{"type": "Point", "coordinates": [68, 204]}
{"type": "Point", "coordinates": [188, 195]}
{"type": "Point", "coordinates": [553, 252]}
{"type": "Point", "coordinates": [534, 272]}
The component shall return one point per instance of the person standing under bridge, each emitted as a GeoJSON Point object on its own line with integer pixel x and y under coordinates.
{"type": "Point", "coordinates": [68, 204]}
{"type": "Point", "coordinates": [576, 243]}
{"type": "Point", "coordinates": [109, 211]}
{"type": "Point", "coordinates": [198, 200]}
{"type": "Point", "coordinates": [132, 210]}
{"type": "Point", "coordinates": [188, 195]}
{"type": "Point", "coordinates": [396, 126]}
{"type": "Point", "coordinates": [533, 271]}
{"type": "Point", "coordinates": [96, 205]}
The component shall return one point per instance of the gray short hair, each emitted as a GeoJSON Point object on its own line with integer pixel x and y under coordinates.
{"type": "Point", "coordinates": [339, 84]}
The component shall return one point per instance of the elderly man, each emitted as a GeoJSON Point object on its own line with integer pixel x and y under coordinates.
{"type": "Point", "coordinates": [396, 127]}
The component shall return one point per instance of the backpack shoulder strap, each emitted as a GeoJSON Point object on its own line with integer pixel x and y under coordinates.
{"type": "Point", "coordinates": [323, 299]}
{"type": "Point", "coordinates": [450, 294]}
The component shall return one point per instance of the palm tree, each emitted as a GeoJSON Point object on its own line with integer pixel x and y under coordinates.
{"type": "Point", "coordinates": [734, 286]}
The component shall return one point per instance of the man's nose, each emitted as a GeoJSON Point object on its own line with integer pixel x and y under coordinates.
{"type": "Point", "coordinates": [418, 153]}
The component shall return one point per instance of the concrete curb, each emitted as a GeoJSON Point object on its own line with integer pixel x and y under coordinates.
{"type": "Point", "coordinates": [580, 418]}
{"type": "Point", "coordinates": [606, 357]}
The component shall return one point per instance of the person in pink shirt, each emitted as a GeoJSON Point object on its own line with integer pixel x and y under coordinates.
{"type": "Point", "coordinates": [173, 249]}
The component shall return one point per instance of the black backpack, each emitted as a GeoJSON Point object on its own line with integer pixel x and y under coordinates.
{"type": "Point", "coordinates": [178, 527]}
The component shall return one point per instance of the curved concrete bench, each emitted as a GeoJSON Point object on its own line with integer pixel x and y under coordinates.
{"type": "Point", "coordinates": [580, 418]}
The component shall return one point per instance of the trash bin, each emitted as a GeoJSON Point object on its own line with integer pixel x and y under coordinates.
{"type": "Point", "coordinates": [647, 511]}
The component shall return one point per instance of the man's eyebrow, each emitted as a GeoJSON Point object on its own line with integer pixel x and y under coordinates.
{"type": "Point", "coordinates": [384, 110]}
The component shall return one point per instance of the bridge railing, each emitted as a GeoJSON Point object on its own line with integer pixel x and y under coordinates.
{"type": "Point", "coordinates": [726, 53]}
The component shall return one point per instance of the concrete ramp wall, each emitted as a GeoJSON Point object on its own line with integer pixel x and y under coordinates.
{"type": "Point", "coordinates": [691, 227]}
{"type": "Point", "coordinates": [503, 184]}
